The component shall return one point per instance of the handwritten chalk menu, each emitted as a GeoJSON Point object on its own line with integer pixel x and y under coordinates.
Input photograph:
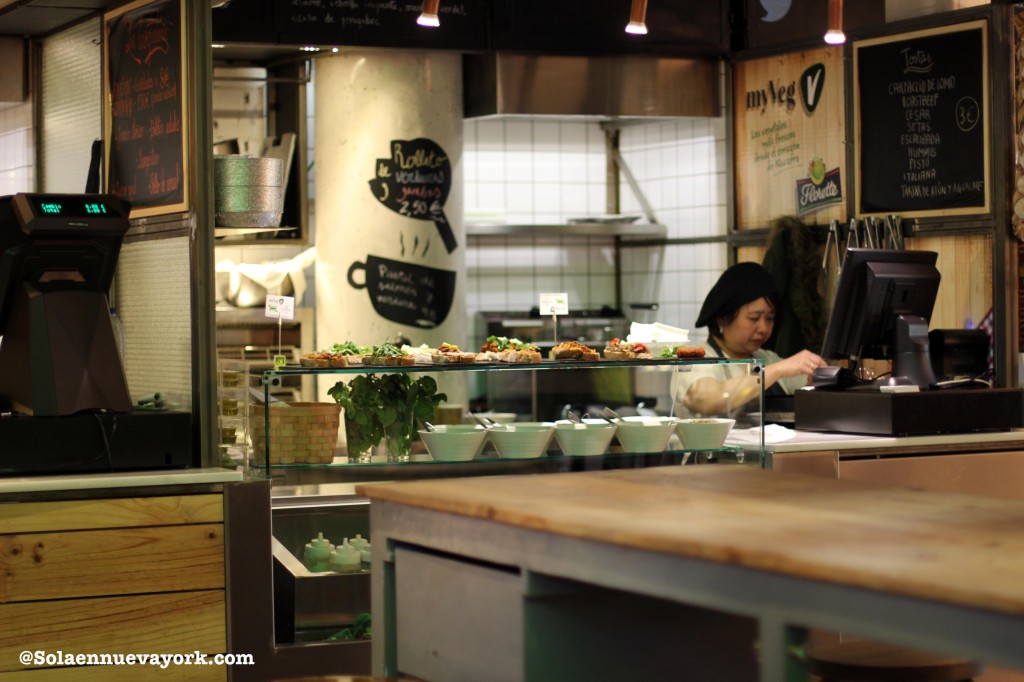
{"type": "Point", "coordinates": [144, 104]}
{"type": "Point", "coordinates": [407, 293]}
{"type": "Point", "coordinates": [921, 101]}
{"type": "Point", "coordinates": [414, 181]}
{"type": "Point", "coordinates": [381, 23]}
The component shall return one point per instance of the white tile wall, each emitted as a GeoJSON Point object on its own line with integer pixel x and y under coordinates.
{"type": "Point", "coordinates": [683, 163]}
{"type": "Point", "coordinates": [536, 171]}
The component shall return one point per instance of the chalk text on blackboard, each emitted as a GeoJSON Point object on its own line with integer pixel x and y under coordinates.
{"type": "Point", "coordinates": [916, 61]}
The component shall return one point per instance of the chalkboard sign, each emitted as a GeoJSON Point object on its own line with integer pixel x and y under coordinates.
{"type": "Point", "coordinates": [380, 23]}
{"type": "Point", "coordinates": [409, 294]}
{"type": "Point", "coordinates": [414, 181]}
{"type": "Point", "coordinates": [922, 130]}
{"type": "Point", "coordinates": [144, 105]}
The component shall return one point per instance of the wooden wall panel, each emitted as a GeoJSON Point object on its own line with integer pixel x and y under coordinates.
{"type": "Point", "coordinates": [107, 562]}
{"type": "Point", "coordinates": [965, 294]}
{"type": "Point", "coordinates": [178, 623]}
{"type": "Point", "coordinates": [33, 517]}
{"type": "Point", "coordinates": [124, 673]}
{"type": "Point", "coordinates": [779, 135]}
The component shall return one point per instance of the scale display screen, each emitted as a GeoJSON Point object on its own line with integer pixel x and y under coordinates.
{"type": "Point", "coordinates": [60, 212]}
{"type": "Point", "coordinates": [71, 206]}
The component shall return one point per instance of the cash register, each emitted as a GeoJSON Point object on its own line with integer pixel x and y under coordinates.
{"type": "Point", "coordinates": [63, 392]}
{"type": "Point", "coordinates": [882, 308]}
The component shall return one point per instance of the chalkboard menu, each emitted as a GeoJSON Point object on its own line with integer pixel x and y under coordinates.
{"type": "Point", "coordinates": [921, 101]}
{"type": "Point", "coordinates": [144, 105]}
{"type": "Point", "coordinates": [381, 22]}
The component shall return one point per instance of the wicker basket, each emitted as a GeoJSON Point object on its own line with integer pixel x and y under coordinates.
{"type": "Point", "coordinates": [302, 433]}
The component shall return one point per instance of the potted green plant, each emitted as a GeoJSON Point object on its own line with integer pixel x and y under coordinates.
{"type": "Point", "coordinates": [385, 407]}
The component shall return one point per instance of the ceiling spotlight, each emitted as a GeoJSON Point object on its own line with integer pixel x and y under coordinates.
{"type": "Point", "coordinates": [835, 35]}
{"type": "Point", "coordinates": [428, 17]}
{"type": "Point", "coordinates": [638, 18]}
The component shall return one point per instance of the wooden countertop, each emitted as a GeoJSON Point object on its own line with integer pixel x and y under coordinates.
{"type": "Point", "coordinates": [956, 549]}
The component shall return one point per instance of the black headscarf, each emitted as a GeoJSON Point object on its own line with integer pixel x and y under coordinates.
{"type": "Point", "coordinates": [738, 285]}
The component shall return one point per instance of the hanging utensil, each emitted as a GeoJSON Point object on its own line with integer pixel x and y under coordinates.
{"type": "Point", "coordinates": [895, 226]}
{"type": "Point", "coordinates": [853, 236]}
{"type": "Point", "coordinates": [830, 272]}
{"type": "Point", "coordinates": [834, 232]}
{"type": "Point", "coordinates": [823, 275]}
{"type": "Point", "coordinates": [869, 233]}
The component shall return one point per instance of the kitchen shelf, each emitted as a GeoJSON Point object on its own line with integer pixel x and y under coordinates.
{"type": "Point", "coordinates": [221, 232]}
{"type": "Point", "coordinates": [597, 229]}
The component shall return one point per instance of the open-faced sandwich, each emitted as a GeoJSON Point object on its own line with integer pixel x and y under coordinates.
{"type": "Point", "coordinates": [422, 354]}
{"type": "Point", "coordinates": [504, 349]}
{"type": "Point", "coordinates": [353, 353]}
{"type": "Point", "coordinates": [521, 352]}
{"type": "Point", "coordinates": [323, 358]}
{"type": "Point", "coordinates": [683, 352]}
{"type": "Point", "coordinates": [574, 350]}
{"type": "Point", "coordinates": [448, 353]}
{"type": "Point", "coordinates": [388, 355]}
{"type": "Point", "coordinates": [625, 350]}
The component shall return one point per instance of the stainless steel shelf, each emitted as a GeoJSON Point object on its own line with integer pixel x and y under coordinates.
{"type": "Point", "coordinates": [641, 230]}
{"type": "Point", "coordinates": [245, 231]}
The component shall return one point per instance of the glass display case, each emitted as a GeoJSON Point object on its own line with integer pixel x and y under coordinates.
{"type": "Point", "coordinates": [337, 465]}
{"type": "Point", "coordinates": [304, 449]}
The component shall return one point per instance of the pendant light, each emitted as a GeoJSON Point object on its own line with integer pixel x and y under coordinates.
{"type": "Point", "coordinates": [835, 35]}
{"type": "Point", "coordinates": [428, 16]}
{"type": "Point", "coordinates": [638, 18]}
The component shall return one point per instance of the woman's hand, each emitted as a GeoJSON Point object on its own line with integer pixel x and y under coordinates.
{"type": "Point", "coordinates": [804, 362]}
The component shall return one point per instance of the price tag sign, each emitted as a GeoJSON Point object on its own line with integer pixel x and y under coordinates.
{"type": "Point", "coordinates": [554, 304]}
{"type": "Point", "coordinates": [281, 307]}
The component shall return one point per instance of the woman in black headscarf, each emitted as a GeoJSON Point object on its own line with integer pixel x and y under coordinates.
{"type": "Point", "coordinates": [739, 313]}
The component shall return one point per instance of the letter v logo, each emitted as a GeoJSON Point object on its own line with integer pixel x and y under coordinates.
{"type": "Point", "coordinates": [812, 84]}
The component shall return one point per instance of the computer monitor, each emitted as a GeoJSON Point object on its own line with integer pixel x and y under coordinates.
{"type": "Point", "coordinates": [882, 307]}
{"type": "Point", "coordinates": [58, 253]}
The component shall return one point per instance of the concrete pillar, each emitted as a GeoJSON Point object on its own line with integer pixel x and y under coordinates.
{"type": "Point", "coordinates": [389, 230]}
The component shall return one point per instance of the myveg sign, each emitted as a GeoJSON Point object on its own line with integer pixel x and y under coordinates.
{"type": "Point", "coordinates": [789, 158]}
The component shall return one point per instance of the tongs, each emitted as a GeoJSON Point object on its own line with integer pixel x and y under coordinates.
{"type": "Point", "coordinates": [485, 422]}
{"type": "Point", "coordinates": [894, 230]}
{"type": "Point", "coordinates": [831, 243]}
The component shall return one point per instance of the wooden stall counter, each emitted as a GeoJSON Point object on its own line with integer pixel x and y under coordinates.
{"type": "Point", "coordinates": [723, 567]}
{"type": "Point", "coordinates": [118, 564]}
{"type": "Point", "coordinates": [980, 463]}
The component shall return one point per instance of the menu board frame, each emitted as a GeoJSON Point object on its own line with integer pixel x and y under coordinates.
{"type": "Point", "coordinates": [112, 70]}
{"type": "Point", "coordinates": [985, 206]}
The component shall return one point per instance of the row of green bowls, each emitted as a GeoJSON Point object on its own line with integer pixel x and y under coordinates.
{"type": "Point", "coordinates": [527, 440]}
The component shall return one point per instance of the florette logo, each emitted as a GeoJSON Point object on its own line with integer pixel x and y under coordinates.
{"type": "Point", "coordinates": [812, 84]}
{"type": "Point", "coordinates": [822, 188]}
